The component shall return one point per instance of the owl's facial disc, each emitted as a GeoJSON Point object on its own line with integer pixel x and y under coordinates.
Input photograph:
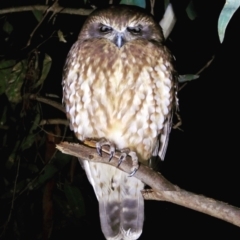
{"type": "Point", "coordinates": [121, 25]}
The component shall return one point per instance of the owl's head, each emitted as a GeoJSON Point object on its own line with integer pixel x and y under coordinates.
{"type": "Point", "coordinates": [121, 24]}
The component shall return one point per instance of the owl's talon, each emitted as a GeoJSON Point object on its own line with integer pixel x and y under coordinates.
{"type": "Point", "coordinates": [133, 155]}
{"type": "Point", "coordinates": [120, 161]}
{"type": "Point", "coordinates": [135, 164]}
{"type": "Point", "coordinates": [104, 142]}
{"type": "Point", "coordinates": [112, 151]}
{"type": "Point", "coordinates": [111, 155]}
{"type": "Point", "coordinates": [122, 158]}
{"type": "Point", "coordinates": [133, 172]}
{"type": "Point", "coordinates": [99, 150]}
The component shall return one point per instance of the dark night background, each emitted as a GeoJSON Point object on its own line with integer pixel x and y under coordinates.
{"type": "Point", "coordinates": [202, 158]}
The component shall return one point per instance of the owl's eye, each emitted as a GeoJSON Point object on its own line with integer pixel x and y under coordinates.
{"type": "Point", "coordinates": [105, 29]}
{"type": "Point", "coordinates": [134, 30]}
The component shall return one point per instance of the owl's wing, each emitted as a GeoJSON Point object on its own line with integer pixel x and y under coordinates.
{"type": "Point", "coordinates": [163, 137]}
{"type": "Point", "coordinates": [162, 143]}
{"type": "Point", "coordinates": [121, 204]}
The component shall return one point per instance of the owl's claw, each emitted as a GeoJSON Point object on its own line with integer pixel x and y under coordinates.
{"type": "Point", "coordinates": [133, 155]}
{"type": "Point", "coordinates": [112, 152]}
{"type": "Point", "coordinates": [135, 164]}
{"type": "Point", "coordinates": [122, 158]}
{"type": "Point", "coordinates": [133, 172]}
{"type": "Point", "coordinates": [104, 142]}
{"type": "Point", "coordinates": [99, 150]}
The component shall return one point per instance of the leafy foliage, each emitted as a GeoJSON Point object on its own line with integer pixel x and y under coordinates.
{"type": "Point", "coordinates": [139, 3]}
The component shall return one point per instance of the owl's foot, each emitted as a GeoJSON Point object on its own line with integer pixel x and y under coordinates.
{"type": "Point", "coordinates": [124, 153]}
{"type": "Point", "coordinates": [104, 142]}
{"type": "Point", "coordinates": [133, 155]}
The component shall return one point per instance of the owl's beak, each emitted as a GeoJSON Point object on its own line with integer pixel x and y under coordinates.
{"type": "Point", "coordinates": [119, 40]}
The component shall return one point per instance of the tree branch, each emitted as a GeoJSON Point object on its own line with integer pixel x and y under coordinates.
{"type": "Point", "coordinates": [43, 8]}
{"type": "Point", "coordinates": [48, 101]}
{"type": "Point", "coordinates": [162, 189]}
{"type": "Point", "coordinates": [54, 121]}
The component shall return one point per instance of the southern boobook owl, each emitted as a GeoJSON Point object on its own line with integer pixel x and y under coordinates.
{"type": "Point", "coordinates": [119, 88]}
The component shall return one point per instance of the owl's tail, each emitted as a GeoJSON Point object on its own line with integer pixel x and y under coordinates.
{"type": "Point", "coordinates": [121, 204]}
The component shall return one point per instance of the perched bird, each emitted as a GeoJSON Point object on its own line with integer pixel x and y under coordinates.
{"type": "Point", "coordinates": [119, 88]}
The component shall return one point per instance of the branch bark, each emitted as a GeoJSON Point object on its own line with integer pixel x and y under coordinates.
{"type": "Point", "coordinates": [43, 8]}
{"type": "Point", "coordinates": [162, 189]}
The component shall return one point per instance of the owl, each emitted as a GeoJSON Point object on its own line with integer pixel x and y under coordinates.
{"type": "Point", "coordinates": [119, 88]}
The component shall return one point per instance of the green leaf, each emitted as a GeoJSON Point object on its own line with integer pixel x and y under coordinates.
{"type": "Point", "coordinates": [49, 171]}
{"type": "Point", "coordinates": [190, 10]}
{"type": "Point", "coordinates": [5, 70]}
{"type": "Point", "coordinates": [187, 77]}
{"type": "Point", "coordinates": [28, 141]}
{"type": "Point", "coordinates": [139, 3]}
{"type": "Point", "coordinates": [227, 12]}
{"type": "Point", "coordinates": [3, 115]}
{"type": "Point", "coordinates": [32, 168]}
{"type": "Point", "coordinates": [61, 37]}
{"type": "Point", "coordinates": [57, 164]}
{"type": "Point", "coordinates": [11, 160]}
{"type": "Point", "coordinates": [19, 187]}
{"type": "Point", "coordinates": [75, 200]}
{"type": "Point", "coordinates": [7, 27]}
{"type": "Point", "coordinates": [38, 15]}
{"type": "Point", "coordinates": [30, 138]}
{"type": "Point", "coordinates": [47, 63]}
{"type": "Point", "coordinates": [62, 205]}
{"type": "Point", "coordinates": [15, 81]}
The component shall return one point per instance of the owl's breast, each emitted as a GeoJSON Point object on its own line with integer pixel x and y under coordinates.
{"type": "Point", "coordinates": [123, 95]}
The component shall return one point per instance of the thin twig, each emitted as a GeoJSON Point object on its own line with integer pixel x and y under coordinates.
{"type": "Point", "coordinates": [45, 40]}
{"type": "Point", "coordinates": [206, 65]}
{"type": "Point", "coordinates": [48, 101]}
{"type": "Point", "coordinates": [200, 71]}
{"type": "Point", "coordinates": [13, 198]}
{"type": "Point", "coordinates": [35, 29]}
{"type": "Point", "coordinates": [80, 11]}
{"type": "Point", "coordinates": [53, 122]}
